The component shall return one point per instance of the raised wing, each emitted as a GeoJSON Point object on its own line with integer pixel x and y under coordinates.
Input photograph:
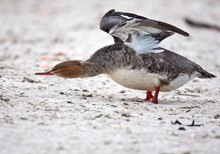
{"type": "Point", "coordinates": [140, 33]}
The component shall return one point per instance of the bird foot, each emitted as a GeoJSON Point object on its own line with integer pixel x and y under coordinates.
{"type": "Point", "coordinates": [152, 100]}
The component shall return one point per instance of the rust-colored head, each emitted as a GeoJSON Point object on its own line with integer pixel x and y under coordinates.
{"type": "Point", "coordinates": [67, 69]}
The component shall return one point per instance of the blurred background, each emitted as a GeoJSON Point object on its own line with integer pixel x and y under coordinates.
{"type": "Point", "coordinates": [73, 26]}
{"type": "Point", "coordinates": [70, 26]}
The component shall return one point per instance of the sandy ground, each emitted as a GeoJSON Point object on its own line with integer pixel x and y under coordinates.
{"type": "Point", "coordinates": [54, 115]}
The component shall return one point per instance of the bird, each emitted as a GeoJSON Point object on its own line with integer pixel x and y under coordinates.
{"type": "Point", "coordinates": [163, 71]}
{"type": "Point", "coordinates": [135, 60]}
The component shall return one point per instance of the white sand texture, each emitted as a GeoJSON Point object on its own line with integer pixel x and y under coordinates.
{"type": "Point", "coordinates": [52, 115]}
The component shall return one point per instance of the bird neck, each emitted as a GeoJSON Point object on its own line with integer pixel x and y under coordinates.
{"type": "Point", "coordinates": [108, 59]}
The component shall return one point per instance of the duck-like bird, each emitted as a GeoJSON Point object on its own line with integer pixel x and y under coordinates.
{"type": "Point", "coordinates": [135, 60]}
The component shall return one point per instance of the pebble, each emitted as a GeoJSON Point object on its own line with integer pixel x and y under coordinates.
{"type": "Point", "coordinates": [87, 95]}
{"type": "Point", "coordinates": [217, 116]}
{"type": "Point", "coordinates": [182, 128]}
{"type": "Point", "coordinates": [125, 114]}
{"type": "Point", "coordinates": [70, 102]}
{"type": "Point", "coordinates": [4, 98]}
{"type": "Point", "coordinates": [122, 91]}
{"type": "Point", "coordinates": [85, 90]}
{"type": "Point", "coordinates": [125, 103]}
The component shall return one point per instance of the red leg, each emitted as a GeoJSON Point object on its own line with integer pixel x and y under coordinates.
{"type": "Point", "coordinates": [149, 96]}
{"type": "Point", "coordinates": [155, 98]}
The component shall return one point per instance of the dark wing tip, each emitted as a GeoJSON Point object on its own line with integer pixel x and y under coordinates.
{"type": "Point", "coordinates": [184, 33]}
{"type": "Point", "coordinates": [109, 13]}
{"type": "Point", "coordinates": [104, 23]}
{"type": "Point", "coordinates": [173, 28]}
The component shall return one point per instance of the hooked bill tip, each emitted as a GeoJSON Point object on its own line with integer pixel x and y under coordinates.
{"type": "Point", "coordinates": [45, 73]}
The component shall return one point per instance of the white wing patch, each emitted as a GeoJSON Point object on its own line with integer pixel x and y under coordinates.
{"type": "Point", "coordinates": [136, 37]}
{"type": "Point", "coordinates": [126, 17]}
{"type": "Point", "coordinates": [142, 43]}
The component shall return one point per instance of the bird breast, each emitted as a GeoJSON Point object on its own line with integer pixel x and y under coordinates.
{"type": "Point", "coordinates": [143, 80]}
{"type": "Point", "coordinates": [135, 79]}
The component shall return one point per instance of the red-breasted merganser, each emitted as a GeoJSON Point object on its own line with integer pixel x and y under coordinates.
{"type": "Point", "coordinates": [163, 71]}
{"type": "Point", "coordinates": [134, 62]}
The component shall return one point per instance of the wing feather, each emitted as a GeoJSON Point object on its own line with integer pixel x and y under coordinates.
{"type": "Point", "coordinates": [140, 33]}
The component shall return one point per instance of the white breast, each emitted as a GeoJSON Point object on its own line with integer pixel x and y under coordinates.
{"type": "Point", "coordinates": [141, 80]}
{"type": "Point", "coordinates": [135, 79]}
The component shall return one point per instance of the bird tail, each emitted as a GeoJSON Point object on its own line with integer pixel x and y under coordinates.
{"type": "Point", "coordinates": [205, 74]}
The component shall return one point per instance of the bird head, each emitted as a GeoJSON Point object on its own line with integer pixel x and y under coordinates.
{"type": "Point", "coordinates": [67, 69]}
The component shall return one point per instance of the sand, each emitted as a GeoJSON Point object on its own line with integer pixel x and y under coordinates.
{"type": "Point", "coordinates": [42, 115]}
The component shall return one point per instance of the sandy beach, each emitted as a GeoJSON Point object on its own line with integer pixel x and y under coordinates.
{"type": "Point", "coordinates": [43, 115]}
